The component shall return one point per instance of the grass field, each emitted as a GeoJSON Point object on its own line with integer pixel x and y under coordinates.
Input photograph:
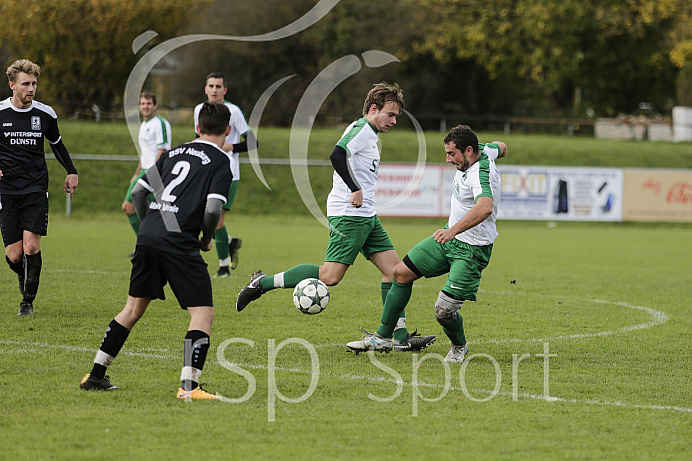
{"type": "Point", "coordinates": [610, 303]}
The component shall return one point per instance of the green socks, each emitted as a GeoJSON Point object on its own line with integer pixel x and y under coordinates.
{"type": "Point", "coordinates": [400, 333]}
{"type": "Point", "coordinates": [455, 332]}
{"type": "Point", "coordinates": [394, 306]}
{"type": "Point", "coordinates": [134, 222]}
{"type": "Point", "coordinates": [221, 242]}
{"type": "Point", "coordinates": [291, 277]}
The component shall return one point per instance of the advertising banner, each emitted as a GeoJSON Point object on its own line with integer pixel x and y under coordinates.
{"type": "Point", "coordinates": [403, 192]}
{"type": "Point", "coordinates": [658, 195]}
{"type": "Point", "coordinates": [561, 193]}
{"type": "Point", "coordinates": [528, 193]}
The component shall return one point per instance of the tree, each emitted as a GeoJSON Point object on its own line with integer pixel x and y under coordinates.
{"type": "Point", "coordinates": [597, 53]}
{"type": "Point", "coordinates": [85, 46]}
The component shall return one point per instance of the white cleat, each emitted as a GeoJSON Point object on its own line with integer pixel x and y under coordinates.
{"type": "Point", "coordinates": [371, 342]}
{"type": "Point", "coordinates": [457, 353]}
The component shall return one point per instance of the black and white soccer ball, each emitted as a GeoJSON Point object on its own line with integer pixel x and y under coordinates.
{"type": "Point", "coordinates": [311, 296]}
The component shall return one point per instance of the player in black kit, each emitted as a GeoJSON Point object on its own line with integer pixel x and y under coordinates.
{"type": "Point", "coordinates": [24, 176]}
{"type": "Point", "coordinates": [191, 184]}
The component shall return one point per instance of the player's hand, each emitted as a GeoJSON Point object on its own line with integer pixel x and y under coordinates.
{"type": "Point", "coordinates": [71, 182]}
{"type": "Point", "coordinates": [0, 174]}
{"type": "Point", "coordinates": [356, 199]}
{"type": "Point", "coordinates": [206, 246]}
{"type": "Point", "coordinates": [443, 235]}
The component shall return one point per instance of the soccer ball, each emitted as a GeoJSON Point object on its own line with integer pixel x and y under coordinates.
{"type": "Point", "coordinates": [311, 296]}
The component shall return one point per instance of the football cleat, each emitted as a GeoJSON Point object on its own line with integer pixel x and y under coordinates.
{"type": "Point", "coordinates": [250, 292]}
{"type": "Point", "coordinates": [197, 393]}
{"type": "Point", "coordinates": [371, 342]}
{"type": "Point", "coordinates": [224, 271]}
{"type": "Point", "coordinates": [25, 308]}
{"type": "Point", "coordinates": [233, 248]}
{"type": "Point", "coordinates": [457, 353]}
{"type": "Point", "coordinates": [414, 342]}
{"type": "Point", "coordinates": [90, 383]}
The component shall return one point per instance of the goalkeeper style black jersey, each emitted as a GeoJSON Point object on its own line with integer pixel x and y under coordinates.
{"type": "Point", "coordinates": [189, 174]}
{"type": "Point", "coordinates": [22, 158]}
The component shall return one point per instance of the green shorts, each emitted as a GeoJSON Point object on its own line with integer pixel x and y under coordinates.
{"type": "Point", "coordinates": [128, 196]}
{"type": "Point", "coordinates": [350, 235]}
{"type": "Point", "coordinates": [462, 261]}
{"type": "Point", "coordinates": [231, 195]}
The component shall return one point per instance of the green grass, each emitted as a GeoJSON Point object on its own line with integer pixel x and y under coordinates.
{"type": "Point", "coordinates": [611, 300]}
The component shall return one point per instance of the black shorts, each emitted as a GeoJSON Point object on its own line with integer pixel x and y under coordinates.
{"type": "Point", "coordinates": [188, 275]}
{"type": "Point", "coordinates": [23, 212]}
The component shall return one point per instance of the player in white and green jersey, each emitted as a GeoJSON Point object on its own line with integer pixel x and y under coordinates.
{"type": "Point", "coordinates": [462, 249]}
{"type": "Point", "coordinates": [154, 139]}
{"type": "Point", "coordinates": [354, 225]}
{"type": "Point", "coordinates": [226, 246]}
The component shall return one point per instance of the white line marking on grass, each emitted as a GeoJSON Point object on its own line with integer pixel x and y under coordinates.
{"type": "Point", "coordinates": [658, 317]}
{"type": "Point", "coordinates": [35, 347]}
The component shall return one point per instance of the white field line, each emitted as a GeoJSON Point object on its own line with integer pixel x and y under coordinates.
{"type": "Point", "coordinates": [657, 318]}
{"type": "Point", "coordinates": [37, 347]}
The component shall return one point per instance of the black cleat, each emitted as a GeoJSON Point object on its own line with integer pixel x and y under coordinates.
{"type": "Point", "coordinates": [250, 292]}
{"type": "Point", "coordinates": [25, 308]}
{"type": "Point", "coordinates": [95, 384]}
{"type": "Point", "coordinates": [414, 342]}
{"type": "Point", "coordinates": [233, 248]}
{"type": "Point", "coordinates": [223, 272]}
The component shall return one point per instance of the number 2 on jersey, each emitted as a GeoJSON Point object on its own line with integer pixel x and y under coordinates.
{"type": "Point", "coordinates": [181, 170]}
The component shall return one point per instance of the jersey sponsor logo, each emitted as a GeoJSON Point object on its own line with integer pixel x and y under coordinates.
{"type": "Point", "coordinates": [164, 207]}
{"type": "Point", "coordinates": [23, 142]}
{"type": "Point", "coordinates": [6, 123]}
{"type": "Point", "coordinates": [35, 123]}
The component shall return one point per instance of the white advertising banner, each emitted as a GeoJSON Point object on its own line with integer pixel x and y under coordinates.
{"type": "Point", "coordinates": [403, 192]}
{"type": "Point", "coordinates": [561, 193]}
{"type": "Point", "coordinates": [528, 192]}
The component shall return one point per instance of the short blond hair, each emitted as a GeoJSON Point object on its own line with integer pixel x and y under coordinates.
{"type": "Point", "coordinates": [22, 65]}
